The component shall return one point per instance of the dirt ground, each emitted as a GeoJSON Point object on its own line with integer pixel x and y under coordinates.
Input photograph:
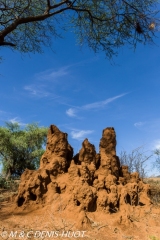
{"type": "Point", "coordinates": [52, 222]}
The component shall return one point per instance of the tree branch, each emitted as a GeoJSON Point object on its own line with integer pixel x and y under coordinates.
{"type": "Point", "coordinates": [29, 19]}
{"type": "Point", "coordinates": [7, 44]}
{"type": "Point", "coordinates": [46, 15]}
{"type": "Point", "coordinates": [96, 18]}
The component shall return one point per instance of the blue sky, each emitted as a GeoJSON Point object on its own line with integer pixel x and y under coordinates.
{"type": "Point", "coordinates": [82, 93]}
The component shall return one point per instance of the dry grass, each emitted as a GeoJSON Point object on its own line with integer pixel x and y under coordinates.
{"type": "Point", "coordinates": [8, 189]}
{"type": "Point", "coordinates": [155, 189]}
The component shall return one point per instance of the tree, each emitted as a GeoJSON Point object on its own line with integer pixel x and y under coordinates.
{"type": "Point", "coordinates": [135, 160]}
{"type": "Point", "coordinates": [27, 25]}
{"type": "Point", "coordinates": [157, 163]}
{"type": "Point", "coordinates": [21, 148]}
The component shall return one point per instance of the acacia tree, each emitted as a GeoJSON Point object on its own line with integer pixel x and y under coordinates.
{"type": "Point", "coordinates": [21, 148]}
{"type": "Point", "coordinates": [27, 25]}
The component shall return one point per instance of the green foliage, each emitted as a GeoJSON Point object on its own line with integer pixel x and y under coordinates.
{"type": "Point", "coordinates": [11, 184]}
{"type": "Point", "coordinates": [153, 238]}
{"type": "Point", "coordinates": [2, 182]}
{"type": "Point", "coordinates": [27, 25]}
{"type": "Point", "coordinates": [21, 148]}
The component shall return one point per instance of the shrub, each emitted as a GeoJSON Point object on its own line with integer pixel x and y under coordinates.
{"type": "Point", "coordinates": [11, 184]}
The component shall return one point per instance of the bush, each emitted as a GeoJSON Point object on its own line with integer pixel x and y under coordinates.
{"type": "Point", "coordinates": [11, 184]}
{"type": "Point", "coordinates": [2, 182]}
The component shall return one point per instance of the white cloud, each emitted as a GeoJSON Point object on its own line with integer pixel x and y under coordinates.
{"type": "Point", "coordinates": [2, 112]}
{"type": "Point", "coordinates": [101, 104]}
{"type": "Point", "coordinates": [139, 124]}
{"type": "Point", "coordinates": [42, 88]}
{"type": "Point", "coordinates": [80, 134]}
{"type": "Point", "coordinates": [52, 74]}
{"type": "Point", "coordinates": [36, 91]}
{"type": "Point", "coordinates": [156, 144]}
{"type": "Point", "coordinates": [71, 112]}
{"type": "Point", "coordinates": [17, 120]}
{"type": "Point", "coordinates": [96, 105]}
{"type": "Point", "coordinates": [151, 126]}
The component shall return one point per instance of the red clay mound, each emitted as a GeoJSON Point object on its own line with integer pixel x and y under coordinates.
{"type": "Point", "coordinates": [87, 182]}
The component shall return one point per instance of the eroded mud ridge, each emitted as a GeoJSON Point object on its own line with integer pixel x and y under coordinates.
{"type": "Point", "coordinates": [88, 181]}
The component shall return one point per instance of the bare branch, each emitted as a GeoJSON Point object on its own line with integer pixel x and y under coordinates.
{"type": "Point", "coordinates": [7, 44]}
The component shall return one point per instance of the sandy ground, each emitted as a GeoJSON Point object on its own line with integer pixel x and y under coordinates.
{"type": "Point", "coordinates": [46, 223]}
{"type": "Point", "coordinates": [53, 222]}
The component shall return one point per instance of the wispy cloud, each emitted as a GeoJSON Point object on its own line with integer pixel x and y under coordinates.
{"type": "Point", "coordinates": [53, 74]}
{"type": "Point", "coordinates": [41, 88]}
{"type": "Point", "coordinates": [37, 91]}
{"type": "Point", "coordinates": [101, 104]}
{"type": "Point", "coordinates": [80, 134]}
{"type": "Point", "coordinates": [71, 112]}
{"type": "Point", "coordinates": [49, 81]}
{"type": "Point", "coordinates": [139, 124]}
{"type": "Point", "coordinates": [149, 126]}
{"type": "Point", "coordinates": [96, 105]}
{"type": "Point", "coordinates": [2, 112]}
{"type": "Point", "coordinates": [17, 120]}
